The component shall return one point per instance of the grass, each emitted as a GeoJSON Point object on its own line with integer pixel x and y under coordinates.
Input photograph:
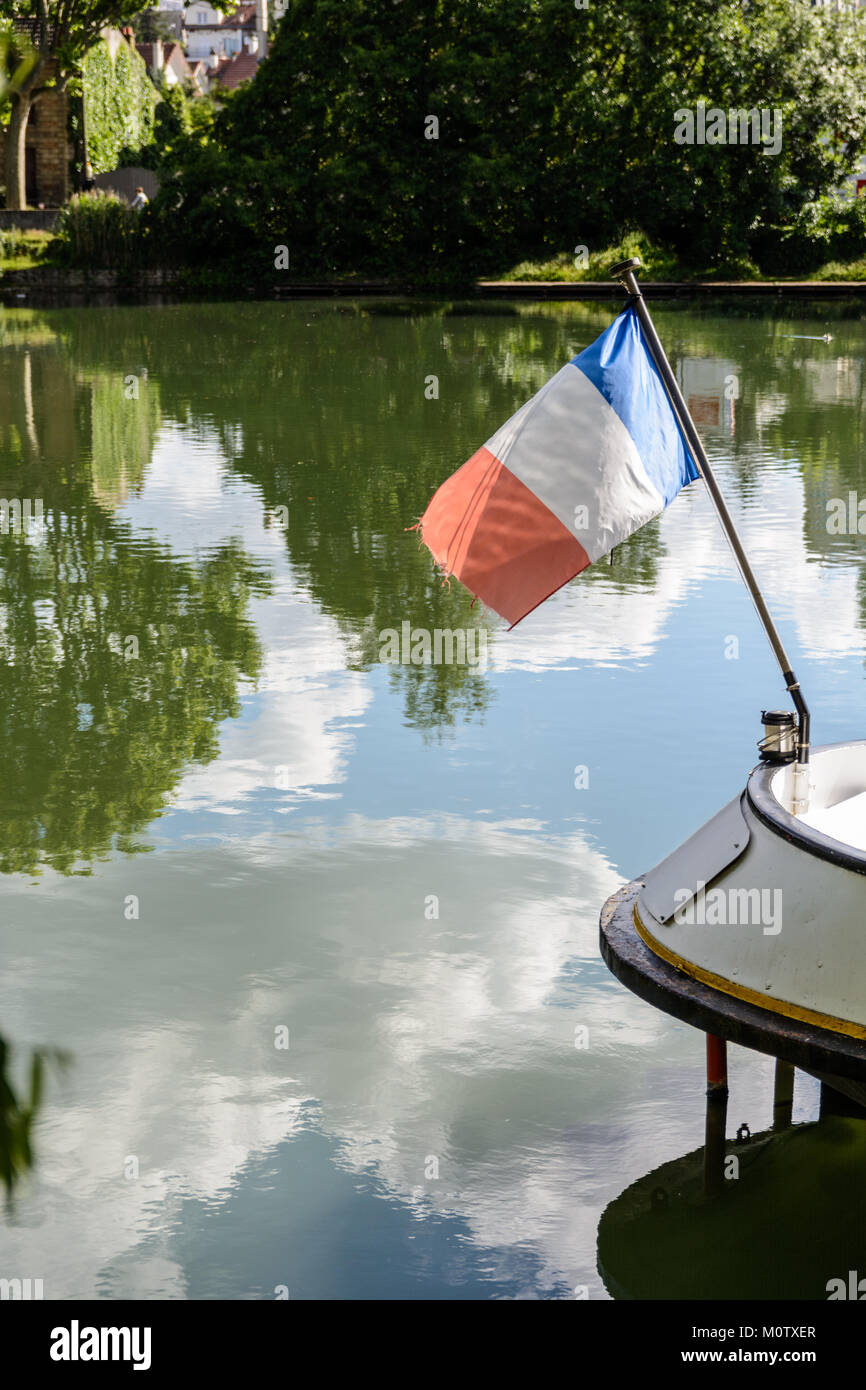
{"type": "Point", "coordinates": [663, 265]}
{"type": "Point", "coordinates": [841, 270]}
{"type": "Point", "coordinates": [23, 250]}
{"type": "Point", "coordinates": [97, 236]}
{"type": "Point", "coordinates": [570, 267]}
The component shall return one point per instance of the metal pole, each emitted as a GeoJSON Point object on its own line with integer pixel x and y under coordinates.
{"type": "Point", "coordinates": [783, 1095]}
{"type": "Point", "coordinates": [717, 1064]}
{"type": "Point", "coordinates": [624, 272]}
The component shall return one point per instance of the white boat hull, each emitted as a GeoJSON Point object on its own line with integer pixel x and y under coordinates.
{"type": "Point", "coordinates": [768, 907]}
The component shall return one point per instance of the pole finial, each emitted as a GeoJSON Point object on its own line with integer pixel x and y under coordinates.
{"type": "Point", "coordinates": [624, 272]}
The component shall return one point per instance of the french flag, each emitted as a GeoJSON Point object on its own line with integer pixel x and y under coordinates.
{"type": "Point", "coordinates": [592, 457]}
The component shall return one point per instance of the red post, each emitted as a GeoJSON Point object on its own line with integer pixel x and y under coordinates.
{"type": "Point", "coordinates": [717, 1064]}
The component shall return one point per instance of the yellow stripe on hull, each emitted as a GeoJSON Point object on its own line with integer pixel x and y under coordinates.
{"type": "Point", "coordinates": [749, 996]}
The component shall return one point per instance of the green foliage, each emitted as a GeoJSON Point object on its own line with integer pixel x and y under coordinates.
{"type": "Point", "coordinates": [555, 128]}
{"type": "Point", "coordinates": [11, 242]}
{"type": "Point", "coordinates": [658, 263]}
{"type": "Point", "coordinates": [98, 231]}
{"type": "Point", "coordinates": [17, 61]}
{"type": "Point", "coordinates": [24, 250]}
{"type": "Point", "coordinates": [18, 1112]}
{"type": "Point", "coordinates": [828, 230]}
{"type": "Point", "coordinates": [714, 204]}
{"type": "Point", "coordinates": [183, 120]}
{"type": "Point", "coordinates": [120, 104]}
{"type": "Point", "coordinates": [842, 270]}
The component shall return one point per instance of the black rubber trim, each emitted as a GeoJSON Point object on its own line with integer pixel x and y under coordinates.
{"type": "Point", "coordinates": [672, 990]}
{"type": "Point", "coordinates": [788, 827]}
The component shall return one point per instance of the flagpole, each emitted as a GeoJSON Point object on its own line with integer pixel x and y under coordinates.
{"type": "Point", "coordinates": [624, 272]}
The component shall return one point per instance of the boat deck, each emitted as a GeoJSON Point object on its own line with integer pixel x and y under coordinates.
{"type": "Point", "coordinates": [845, 822]}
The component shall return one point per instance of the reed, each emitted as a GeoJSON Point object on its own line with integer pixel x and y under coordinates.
{"type": "Point", "coordinates": [98, 231]}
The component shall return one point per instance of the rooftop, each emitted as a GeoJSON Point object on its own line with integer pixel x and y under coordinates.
{"type": "Point", "coordinates": [231, 72]}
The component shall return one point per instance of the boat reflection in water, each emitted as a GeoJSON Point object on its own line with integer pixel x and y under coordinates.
{"type": "Point", "coordinates": [775, 1215]}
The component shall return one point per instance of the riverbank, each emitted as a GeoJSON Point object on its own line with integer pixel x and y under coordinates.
{"type": "Point", "coordinates": [666, 289]}
{"type": "Point", "coordinates": [53, 282]}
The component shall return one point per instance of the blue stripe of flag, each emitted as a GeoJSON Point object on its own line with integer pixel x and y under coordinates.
{"type": "Point", "coordinates": [620, 366]}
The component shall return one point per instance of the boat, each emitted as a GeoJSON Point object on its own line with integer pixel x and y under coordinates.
{"type": "Point", "coordinates": [752, 929]}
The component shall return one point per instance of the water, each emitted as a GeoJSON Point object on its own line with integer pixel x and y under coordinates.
{"type": "Point", "coordinates": [226, 825]}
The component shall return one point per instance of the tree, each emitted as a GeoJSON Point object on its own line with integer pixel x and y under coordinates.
{"type": "Point", "coordinates": [717, 203]}
{"type": "Point", "coordinates": [447, 138]}
{"type": "Point", "coordinates": [152, 25]}
{"type": "Point", "coordinates": [15, 62]}
{"type": "Point", "coordinates": [53, 36]}
{"type": "Point", "coordinates": [416, 150]}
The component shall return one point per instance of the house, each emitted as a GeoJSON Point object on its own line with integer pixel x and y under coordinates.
{"type": "Point", "coordinates": [209, 31]}
{"type": "Point", "coordinates": [229, 73]}
{"type": "Point", "coordinates": [166, 63]}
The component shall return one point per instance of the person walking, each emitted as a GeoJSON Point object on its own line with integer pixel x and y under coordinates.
{"type": "Point", "coordinates": [140, 200]}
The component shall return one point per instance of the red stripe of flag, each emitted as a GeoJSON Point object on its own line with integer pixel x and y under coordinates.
{"type": "Point", "coordinates": [487, 528]}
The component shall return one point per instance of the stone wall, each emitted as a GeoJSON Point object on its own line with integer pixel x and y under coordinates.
{"type": "Point", "coordinates": [33, 220]}
{"type": "Point", "coordinates": [48, 136]}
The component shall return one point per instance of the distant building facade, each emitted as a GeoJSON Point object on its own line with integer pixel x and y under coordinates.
{"type": "Point", "coordinates": [168, 64]}
{"type": "Point", "coordinates": [210, 31]}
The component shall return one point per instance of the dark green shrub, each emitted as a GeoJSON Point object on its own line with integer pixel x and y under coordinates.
{"type": "Point", "coordinates": [832, 228]}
